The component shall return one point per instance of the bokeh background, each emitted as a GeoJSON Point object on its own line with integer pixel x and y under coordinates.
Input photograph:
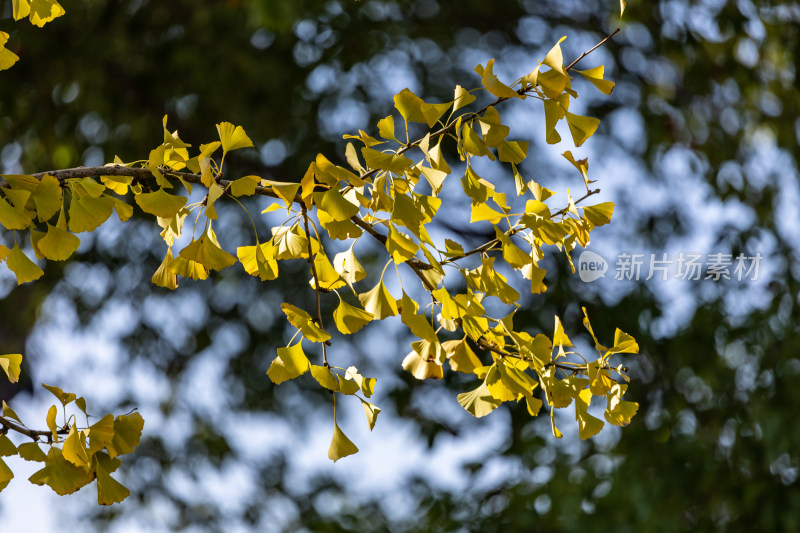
{"type": "Point", "coordinates": [697, 149]}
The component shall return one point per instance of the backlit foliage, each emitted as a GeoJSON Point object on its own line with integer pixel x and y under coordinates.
{"type": "Point", "coordinates": [389, 190]}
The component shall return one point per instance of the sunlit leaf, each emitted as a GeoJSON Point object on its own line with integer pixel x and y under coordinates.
{"type": "Point", "coordinates": [160, 203]}
{"type": "Point", "coordinates": [588, 425]}
{"type": "Point", "coordinates": [207, 253]}
{"type": "Point", "coordinates": [303, 321]}
{"type": "Point", "coordinates": [25, 269]}
{"type": "Point", "coordinates": [61, 475]}
{"type": "Point", "coordinates": [581, 127]}
{"type": "Point", "coordinates": [109, 490]}
{"type": "Point", "coordinates": [325, 377]}
{"type": "Point", "coordinates": [341, 446]}
{"type": "Point", "coordinates": [290, 363]}
{"type": "Point", "coordinates": [379, 302]}
{"type": "Point", "coordinates": [87, 213]}
{"type": "Point", "coordinates": [30, 451]}
{"type": "Point", "coordinates": [232, 137]}
{"type": "Point", "coordinates": [7, 57]}
{"type": "Point", "coordinates": [494, 85]}
{"type": "Point", "coordinates": [599, 214]}
{"type": "Point", "coordinates": [372, 412]}
{"type": "Point", "coordinates": [58, 244]}
{"type": "Point", "coordinates": [478, 402]}
{"type": "Point", "coordinates": [350, 319]}
{"type": "Point", "coordinates": [127, 434]}
{"type": "Point", "coordinates": [10, 363]}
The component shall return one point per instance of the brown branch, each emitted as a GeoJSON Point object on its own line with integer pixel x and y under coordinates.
{"type": "Point", "coordinates": [30, 433]}
{"type": "Point", "coordinates": [592, 49]}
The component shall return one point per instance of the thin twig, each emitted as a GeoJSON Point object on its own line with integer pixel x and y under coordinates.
{"type": "Point", "coordinates": [31, 433]}
{"type": "Point", "coordinates": [592, 49]}
{"type": "Point", "coordinates": [316, 282]}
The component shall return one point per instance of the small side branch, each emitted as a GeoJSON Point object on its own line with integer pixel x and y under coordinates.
{"type": "Point", "coordinates": [10, 425]}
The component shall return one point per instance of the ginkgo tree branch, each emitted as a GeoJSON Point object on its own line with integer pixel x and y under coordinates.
{"type": "Point", "coordinates": [10, 425]}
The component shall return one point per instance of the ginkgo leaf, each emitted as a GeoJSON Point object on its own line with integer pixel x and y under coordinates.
{"type": "Point", "coordinates": [482, 212]}
{"type": "Point", "coordinates": [9, 412]}
{"type": "Point", "coordinates": [30, 451]}
{"type": "Point", "coordinates": [512, 151]}
{"type": "Point", "coordinates": [101, 433]}
{"type": "Point", "coordinates": [58, 244]}
{"type": "Point", "coordinates": [10, 363]}
{"type": "Point", "coordinates": [43, 11]}
{"type": "Point", "coordinates": [207, 253]}
{"type": "Point", "coordinates": [595, 75]}
{"type": "Point", "coordinates": [245, 186]}
{"type": "Point", "coordinates": [25, 269]}
{"type": "Point", "coordinates": [462, 98]}
{"type": "Point", "coordinates": [188, 269]}
{"type": "Point", "coordinates": [623, 343]}
{"type": "Point", "coordinates": [88, 213]}
{"type": "Point", "coordinates": [386, 128]}
{"type": "Point", "coordinates": [559, 337]}
{"type": "Point", "coordinates": [379, 302]}
{"type": "Point", "coordinates": [164, 276]}
{"type": "Point", "coordinates": [127, 434]}
{"type": "Point", "coordinates": [109, 490]}
{"type": "Point", "coordinates": [47, 197]}
{"type": "Point", "coordinates": [7, 57]}
{"type": "Point", "coordinates": [420, 367]}
{"type": "Point", "coordinates": [259, 260]}
{"type": "Point", "coordinates": [383, 161]}
{"type": "Point", "coordinates": [61, 475]}
{"type": "Point", "coordinates": [290, 363]}
{"type": "Point", "coordinates": [350, 319]}
{"type": "Point", "coordinates": [478, 402]}
{"type": "Point", "coordinates": [494, 85]}
{"type": "Point", "coordinates": [347, 266]}
{"type": "Point", "coordinates": [303, 321]}
{"type": "Point", "coordinates": [74, 449]}
{"type": "Point", "coordinates": [581, 127]}
{"type": "Point", "coordinates": [622, 414]}
{"type": "Point", "coordinates": [6, 475]}
{"type": "Point", "coordinates": [341, 446]}
{"type": "Point", "coordinates": [367, 385]}
{"type": "Point", "coordinates": [401, 247]}
{"type": "Point", "coordinates": [588, 425]}
{"type": "Point", "coordinates": [50, 419]}
{"type": "Point", "coordinates": [12, 218]}
{"type": "Point", "coordinates": [160, 203]}
{"type": "Point", "coordinates": [232, 137]}
{"type": "Point", "coordinates": [599, 214]}
{"type": "Point", "coordinates": [325, 377]}
{"type": "Point", "coordinates": [460, 356]}
{"type": "Point", "coordinates": [7, 447]}
{"type": "Point", "coordinates": [372, 412]}
{"type": "Point", "coordinates": [335, 205]}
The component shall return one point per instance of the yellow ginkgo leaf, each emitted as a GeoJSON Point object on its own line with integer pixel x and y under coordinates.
{"type": "Point", "coordinates": [58, 244]}
{"type": "Point", "coordinates": [379, 302]}
{"type": "Point", "coordinates": [478, 402]}
{"type": "Point", "coordinates": [290, 363]}
{"type": "Point", "coordinates": [88, 213]}
{"type": "Point", "coordinates": [372, 412]}
{"type": "Point", "coordinates": [160, 203]}
{"type": "Point", "coordinates": [10, 363]}
{"type": "Point", "coordinates": [341, 446]}
{"type": "Point", "coordinates": [25, 269]}
{"type": "Point", "coordinates": [349, 318]}
{"type": "Point", "coordinates": [164, 276]}
{"type": "Point", "coordinates": [61, 475]}
{"type": "Point", "coordinates": [43, 11]}
{"type": "Point", "coordinates": [207, 253]}
{"type": "Point", "coordinates": [12, 217]}
{"type": "Point", "coordinates": [232, 137]}
{"type": "Point", "coordinates": [47, 197]}
{"type": "Point", "coordinates": [494, 85]}
{"type": "Point", "coordinates": [109, 490]}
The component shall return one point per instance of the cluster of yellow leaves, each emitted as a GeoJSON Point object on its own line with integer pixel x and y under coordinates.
{"type": "Point", "coordinates": [39, 13]}
{"type": "Point", "coordinates": [87, 454]}
{"type": "Point", "coordinates": [391, 191]}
